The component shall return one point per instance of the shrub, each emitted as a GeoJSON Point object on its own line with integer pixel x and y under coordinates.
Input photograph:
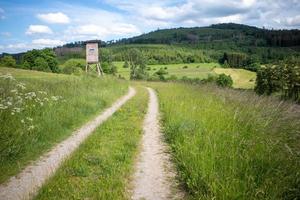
{"type": "Point", "coordinates": [161, 71]}
{"type": "Point", "coordinates": [69, 69]}
{"type": "Point", "coordinates": [284, 78]}
{"type": "Point", "coordinates": [173, 78]}
{"type": "Point", "coordinates": [75, 63]}
{"type": "Point", "coordinates": [185, 67]}
{"type": "Point", "coordinates": [40, 64]}
{"type": "Point", "coordinates": [126, 65]}
{"type": "Point", "coordinates": [109, 68]}
{"type": "Point", "coordinates": [48, 56]}
{"type": "Point", "coordinates": [8, 61]}
{"type": "Point", "coordinates": [224, 80]}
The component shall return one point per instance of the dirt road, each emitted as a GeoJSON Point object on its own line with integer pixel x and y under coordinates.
{"type": "Point", "coordinates": [154, 178]}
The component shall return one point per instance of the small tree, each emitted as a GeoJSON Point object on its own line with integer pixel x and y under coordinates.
{"type": "Point", "coordinates": [126, 65]}
{"type": "Point", "coordinates": [137, 65]}
{"type": "Point", "coordinates": [8, 61]}
{"type": "Point", "coordinates": [224, 81]}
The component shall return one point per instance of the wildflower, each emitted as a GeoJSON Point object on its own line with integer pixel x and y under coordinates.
{"type": "Point", "coordinates": [21, 85]}
{"type": "Point", "coordinates": [12, 113]}
{"type": "Point", "coordinates": [31, 127]}
{"type": "Point", "coordinates": [55, 98]}
{"type": "Point", "coordinates": [14, 91]}
{"type": "Point", "coordinates": [7, 76]}
{"type": "Point", "coordinates": [22, 121]}
{"type": "Point", "coordinates": [9, 103]}
{"type": "Point", "coordinates": [29, 119]}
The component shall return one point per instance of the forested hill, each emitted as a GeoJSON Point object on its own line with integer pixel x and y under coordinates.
{"type": "Point", "coordinates": [226, 33]}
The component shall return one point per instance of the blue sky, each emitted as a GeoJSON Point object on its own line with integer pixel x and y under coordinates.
{"type": "Point", "coordinates": [38, 23]}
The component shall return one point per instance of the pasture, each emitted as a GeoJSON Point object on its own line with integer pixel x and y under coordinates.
{"type": "Point", "coordinates": [39, 109]}
{"type": "Point", "coordinates": [242, 78]}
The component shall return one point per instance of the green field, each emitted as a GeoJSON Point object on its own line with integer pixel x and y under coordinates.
{"type": "Point", "coordinates": [241, 78]}
{"type": "Point", "coordinates": [193, 70]}
{"type": "Point", "coordinates": [39, 109]}
{"type": "Point", "coordinates": [231, 144]}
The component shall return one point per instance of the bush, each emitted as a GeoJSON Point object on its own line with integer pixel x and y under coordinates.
{"type": "Point", "coordinates": [283, 78]}
{"type": "Point", "coordinates": [184, 67]}
{"type": "Point", "coordinates": [161, 71]}
{"type": "Point", "coordinates": [45, 55]}
{"type": "Point", "coordinates": [224, 80]}
{"type": "Point", "coordinates": [126, 65]}
{"type": "Point", "coordinates": [79, 63]}
{"type": "Point", "coordinates": [69, 69]}
{"type": "Point", "coordinates": [40, 64]}
{"type": "Point", "coordinates": [8, 61]}
{"type": "Point", "coordinates": [109, 68]}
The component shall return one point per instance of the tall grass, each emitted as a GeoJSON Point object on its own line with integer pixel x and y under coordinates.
{"type": "Point", "coordinates": [231, 144]}
{"type": "Point", "coordinates": [38, 110]}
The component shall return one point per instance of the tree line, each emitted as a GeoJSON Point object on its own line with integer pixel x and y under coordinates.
{"type": "Point", "coordinates": [283, 79]}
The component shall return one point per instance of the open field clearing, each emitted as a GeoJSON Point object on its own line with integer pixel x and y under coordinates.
{"type": "Point", "coordinates": [241, 78]}
{"type": "Point", "coordinates": [101, 167]}
{"type": "Point", "coordinates": [40, 109]}
{"type": "Point", "coordinates": [229, 144]}
{"type": "Point", "coordinates": [191, 70]}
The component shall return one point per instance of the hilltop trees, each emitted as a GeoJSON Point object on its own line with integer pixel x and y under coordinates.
{"type": "Point", "coordinates": [42, 60]}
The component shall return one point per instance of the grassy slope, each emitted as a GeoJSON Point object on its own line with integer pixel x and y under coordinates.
{"type": "Point", "coordinates": [231, 145]}
{"type": "Point", "coordinates": [241, 78]}
{"type": "Point", "coordinates": [100, 168]}
{"type": "Point", "coordinates": [26, 135]}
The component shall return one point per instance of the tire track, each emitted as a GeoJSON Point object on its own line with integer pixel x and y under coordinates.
{"type": "Point", "coordinates": [154, 178]}
{"type": "Point", "coordinates": [27, 183]}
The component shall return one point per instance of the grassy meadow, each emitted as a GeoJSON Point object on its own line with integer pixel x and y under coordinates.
{"type": "Point", "coordinates": [39, 109]}
{"type": "Point", "coordinates": [242, 78]}
{"type": "Point", "coordinates": [101, 167]}
{"type": "Point", "coordinates": [231, 144]}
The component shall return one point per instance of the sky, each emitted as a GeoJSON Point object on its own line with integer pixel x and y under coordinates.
{"type": "Point", "coordinates": [28, 24]}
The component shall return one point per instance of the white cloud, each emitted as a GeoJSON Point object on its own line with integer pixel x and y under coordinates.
{"type": "Point", "coordinates": [47, 42]}
{"type": "Point", "coordinates": [5, 34]}
{"type": "Point", "coordinates": [54, 18]}
{"type": "Point", "coordinates": [2, 14]}
{"type": "Point", "coordinates": [38, 29]}
{"type": "Point", "coordinates": [293, 21]}
{"type": "Point", "coordinates": [90, 23]}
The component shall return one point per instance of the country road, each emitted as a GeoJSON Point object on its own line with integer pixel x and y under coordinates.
{"type": "Point", "coordinates": [154, 177]}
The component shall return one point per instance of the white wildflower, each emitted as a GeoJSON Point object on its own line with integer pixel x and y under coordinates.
{"type": "Point", "coordinates": [30, 128]}
{"type": "Point", "coordinates": [29, 119]}
{"type": "Point", "coordinates": [23, 121]}
{"type": "Point", "coordinates": [55, 98]}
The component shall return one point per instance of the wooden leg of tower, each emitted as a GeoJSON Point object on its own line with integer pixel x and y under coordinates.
{"type": "Point", "coordinates": [98, 69]}
{"type": "Point", "coordinates": [86, 68]}
{"type": "Point", "coordinates": [101, 69]}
